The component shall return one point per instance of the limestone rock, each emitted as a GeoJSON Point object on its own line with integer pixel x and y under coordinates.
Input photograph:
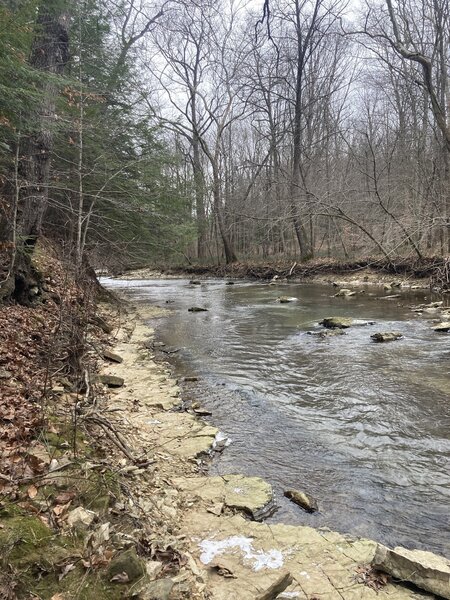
{"type": "Point", "coordinates": [197, 309]}
{"type": "Point", "coordinates": [386, 336]}
{"type": "Point", "coordinates": [110, 380]}
{"type": "Point", "coordinates": [336, 322]}
{"type": "Point", "coordinates": [442, 327]}
{"type": "Point", "coordinates": [250, 494]}
{"type": "Point", "coordinates": [112, 356]}
{"type": "Point", "coordinates": [80, 518]}
{"type": "Point", "coordinates": [126, 562]}
{"type": "Point", "coordinates": [426, 570]}
{"type": "Point", "coordinates": [302, 499]}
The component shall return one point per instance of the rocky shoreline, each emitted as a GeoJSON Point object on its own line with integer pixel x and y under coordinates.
{"type": "Point", "coordinates": [226, 554]}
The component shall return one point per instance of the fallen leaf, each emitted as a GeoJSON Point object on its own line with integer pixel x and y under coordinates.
{"type": "Point", "coordinates": [32, 492]}
{"type": "Point", "coordinates": [120, 578]}
{"type": "Point", "coordinates": [64, 497]}
{"type": "Point", "coordinates": [60, 508]}
{"type": "Point", "coordinates": [66, 570]}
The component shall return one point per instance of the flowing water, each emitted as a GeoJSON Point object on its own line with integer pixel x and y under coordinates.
{"type": "Point", "coordinates": [363, 427]}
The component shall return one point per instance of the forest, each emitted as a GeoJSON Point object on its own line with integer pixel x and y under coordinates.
{"type": "Point", "coordinates": [196, 132]}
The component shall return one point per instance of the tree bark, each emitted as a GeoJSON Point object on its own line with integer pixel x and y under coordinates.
{"type": "Point", "coordinates": [50, 54]}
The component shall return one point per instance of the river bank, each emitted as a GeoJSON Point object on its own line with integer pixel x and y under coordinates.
{"type": "Point", "coordinates": [425, 273]}
{"type": "Point", "coordinates": [226, 555]}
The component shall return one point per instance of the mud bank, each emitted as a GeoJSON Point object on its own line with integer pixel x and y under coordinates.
{"type": "Point", "coordinates": [223, 553]}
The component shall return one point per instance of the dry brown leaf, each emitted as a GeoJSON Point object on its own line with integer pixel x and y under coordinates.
{"type": "Point", "coordinates": [64, 497]}
{"type": "Point", "coordinates": [60, 508]}
{"type": "Point", "coordinates": [32, 492]}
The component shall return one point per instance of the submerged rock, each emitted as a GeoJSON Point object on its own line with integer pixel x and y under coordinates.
{"type": "Point", "coordinates": [286, 299]}
{"type": "Point", "coordinates": [195, 282]}
{"type": "Point", "coordinates": [302, 499]}
{"type": "Point", "coordinates": [336, 322]}
{"type": "Point", "coordinates": [425, 569]}
{"type": "Point", "coordinates": [345, 292]}
{"type": "Point", "coordinates": [344, 322]}
{"type": "Point", "coordinates": [197, 309]}
{"type": "Point", "coordinates": [324, 333]}
{"type": "Point", "coordinates": [229, 283]}
{"type": "Point", "coordinates": [386, 336]}
{"type": "Point", "coordinates": [442, 327]}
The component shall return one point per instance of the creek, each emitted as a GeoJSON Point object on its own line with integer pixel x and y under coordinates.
{"type": "Point", "coordinates": [364, 427]}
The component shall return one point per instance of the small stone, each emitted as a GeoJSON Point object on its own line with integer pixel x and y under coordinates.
{"type": "Point", "coordinates": [286, 299]}
{"type": "Point", "coordinates": [387, 286]}
{"type": "Point", "coordinates": [157, 590]}
{"type": "Point", "coordinates": [201, 411]}
{"type": "Point", "coordinates": [153, 568]}
{"type": "Point", "coordinates": [112, 356]}
{"type": "Point", "coordinates": [442, 327]}
{"type": "Point", "coordinates": [195, 282]}
{"type": "Point", "coordinates": [197, 309]}
{"type": "Point", "coordinates": [111, 380]}
{"type": "Point", "coordinates": [229, 283]}
{"type": "Point", "coordinates": [127, 562]}
{"type": "Point", "coordinates": [302, 499]}
{"type": "Point", "coordinates": [80, 518]}
{"type": "Point", "coordinates": [191, 378]}
{"type": "Point", "coordinates": [386, 336]}
{"type": "Point", "coordinates": [345, 292]}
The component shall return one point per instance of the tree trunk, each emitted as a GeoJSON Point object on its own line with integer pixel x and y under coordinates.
{"type": "Point", "coordinates": [230, 255]}
{"type": "Point", "coordinates": [50, 53]}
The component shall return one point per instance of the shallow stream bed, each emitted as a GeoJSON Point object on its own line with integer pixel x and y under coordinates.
{"type": "Point", "coordinates": [363, 427]}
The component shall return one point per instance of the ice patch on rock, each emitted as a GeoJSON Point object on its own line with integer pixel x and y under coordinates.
{"type": "Point", "coordinates": [259, 559]}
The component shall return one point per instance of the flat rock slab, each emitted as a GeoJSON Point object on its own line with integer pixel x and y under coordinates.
{"type": "Point", "coordinates": [251, 495]}
{"type": "Point", "coordinates": [323, 564]}
{"type": "Point", "coordinates": [425, 569]}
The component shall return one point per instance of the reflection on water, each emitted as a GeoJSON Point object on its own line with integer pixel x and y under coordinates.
{"type": "Point", "coordinates": [364, 427]}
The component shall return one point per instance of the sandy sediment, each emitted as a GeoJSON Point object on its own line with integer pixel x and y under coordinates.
{"type": "Point", "coordinates": [227, 555]}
